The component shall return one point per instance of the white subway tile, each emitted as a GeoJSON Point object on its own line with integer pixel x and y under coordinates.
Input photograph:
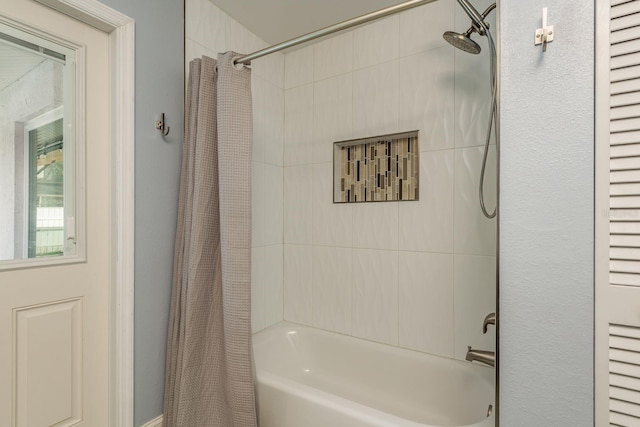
{"type": "Point", "coordinates": [258, 204]}
{"type": "Point", "coordinates": [298, 201]}
{"type": "Point", "coordinates": [375, 225]}
{"type": "Point", "coordinates": [376, 43]}
{"type": "Point", "coordinates": [473, 87]}
{"type": "Point", "coordinates": [332, 223]}
{"type": "Point", "coordinates": [298, 67]}
{"type": "Point", "coordinates": [298, 284]}
{"type": "Point", "coordinates": [472, 99]}
{"type": "Point", "coordinates": [243, 41]}
{"type": "Point", "coordinates": [333, 118]}
{"type": "Point", "coordinates": [298, 129]}
{"type": "Point", "coordinates": [426, 302]}
{"type": "Point", "coordinates": [258, 279]}
{"type": "Point", "coordinates": [205, 24]}
{"type": "Point", "coordinates": [333, 56]}
{"type": "Point", "coordinates": [196, 50]}
{"type": "Point", "coordinates": [375, 100]}
{"type": "Point", "coordinates": [375, 295]}
{"type": "Point", "coordinates": [427, 97]}
{"type": "Point", "coordinates": [273, 111]}
{"type": "Point", "coordinates": [427, 224]}
{"type": "Point", "coordinates": [332, 269]}
{"type": "Point", "coordinates": [260, 122]}
{"type": "Point", "coordinates": [274, 215]}
{"type": "Point", "coordinates": [475, 297]}
{"type": "Point", "coordinates": [270, 67]}
{"type": "Point", "coordinates": [342, 271]}
{"type": "Point", "coordinates": [273, 289]}
{"type": "Point", "coordinates": [421, 29]}
{"type": "Point", "coordinates": [214, 29]}
{"type": "Point", "coordinates": [473, 233]}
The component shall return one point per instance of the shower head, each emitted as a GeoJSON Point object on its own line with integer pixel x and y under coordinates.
{"type": "Point", "coordinates": [478, 25]}
{"type": "Point", "coordinates": [462, 42]}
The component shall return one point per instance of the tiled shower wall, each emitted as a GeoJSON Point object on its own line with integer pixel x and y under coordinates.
{"type": "Point", "coordinates": [415, 274]}
{"type": "Point", "coordinates": [420, 275]}
{"type": "Point", "coordinates": [209, 31]}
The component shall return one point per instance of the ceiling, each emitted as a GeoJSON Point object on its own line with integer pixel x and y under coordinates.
{"type": "Point", "coordinates": [278, 20]}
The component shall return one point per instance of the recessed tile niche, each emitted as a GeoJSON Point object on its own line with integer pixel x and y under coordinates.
{"type": "Point", "coordinates": [377, 169]}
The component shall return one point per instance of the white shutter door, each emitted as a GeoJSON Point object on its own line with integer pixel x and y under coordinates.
{"type": "Point", "coordinates": [617, 254]}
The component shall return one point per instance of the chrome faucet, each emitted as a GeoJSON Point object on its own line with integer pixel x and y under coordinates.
{"type": "Point", "coordinates": [483, 356]}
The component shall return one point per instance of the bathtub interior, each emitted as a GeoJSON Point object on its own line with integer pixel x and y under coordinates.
{"type": "Point", "coordinates": [425, 389]}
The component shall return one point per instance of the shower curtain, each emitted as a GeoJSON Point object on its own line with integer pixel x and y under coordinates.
{"type": "Point", "coordinates": [210, 375]}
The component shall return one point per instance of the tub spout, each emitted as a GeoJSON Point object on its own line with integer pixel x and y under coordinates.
{"type": "Point", "coordinates": [482, 356]}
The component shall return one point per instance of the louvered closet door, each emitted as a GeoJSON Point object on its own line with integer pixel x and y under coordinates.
{"type": "Point", "coordinates": [617, 353]}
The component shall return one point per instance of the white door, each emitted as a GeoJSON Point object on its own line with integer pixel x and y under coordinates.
{"type": "Point", "coordinates": [617, 255]}
{"type": "Point", "coordinates": [54, 320]}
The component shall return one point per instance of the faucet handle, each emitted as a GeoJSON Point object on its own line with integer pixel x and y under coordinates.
{"type": "Point", "coordinates": [489, 320]}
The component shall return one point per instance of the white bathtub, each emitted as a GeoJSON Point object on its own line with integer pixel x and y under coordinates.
{"type": "Point", "coordinates": [313, 378]}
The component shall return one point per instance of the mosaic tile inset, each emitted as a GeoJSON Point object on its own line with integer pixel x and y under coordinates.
{"type": "Point", "coordinates": [383, 168]}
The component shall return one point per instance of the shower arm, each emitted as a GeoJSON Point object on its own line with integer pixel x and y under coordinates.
{"type": "Point", "coordinates": [474, 28]}
{"type": "Point", "coordinates": [475, 16]}
{"type": "Point", "coordinates": [477, 20]}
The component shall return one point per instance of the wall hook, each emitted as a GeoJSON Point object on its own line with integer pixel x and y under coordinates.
{"type": "Point", "coordinates": [544, 35]}
{"type": "Point", "coordinates": [162, 126]}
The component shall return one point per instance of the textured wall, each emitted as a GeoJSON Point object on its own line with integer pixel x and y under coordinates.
{"type": "Point", "coordinates": [546, 224]}
{"type": "Point", "coordinates": [420, 275]}
{"type": "Point", "coordinates": [159, 88]}
{"type": "Point", "coordinates": [209, 31]}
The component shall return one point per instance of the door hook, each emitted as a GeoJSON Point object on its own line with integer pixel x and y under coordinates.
{"type": "Point", "coordinates": [162, 126]}
{"type": "Point", "coordinates": [544, 35]}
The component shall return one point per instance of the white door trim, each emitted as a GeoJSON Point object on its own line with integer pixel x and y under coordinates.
{"type": "Point", "coordinates": [122, 43]}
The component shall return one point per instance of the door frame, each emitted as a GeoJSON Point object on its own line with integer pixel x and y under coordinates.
{"type": "Point", "coordinates": [602, 93]}
{"type": "Point", "coordinates": [121, 31]}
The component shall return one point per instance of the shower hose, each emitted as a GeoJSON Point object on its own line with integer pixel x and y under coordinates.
{"type": "Point", "coordinates": [492, 117]}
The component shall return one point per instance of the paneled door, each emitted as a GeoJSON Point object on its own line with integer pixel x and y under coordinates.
{"type": "Point", "coordinates": [54, 298]}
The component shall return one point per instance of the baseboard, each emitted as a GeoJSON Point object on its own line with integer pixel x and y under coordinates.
{"type": "Point", "coordinates": [156, 422]}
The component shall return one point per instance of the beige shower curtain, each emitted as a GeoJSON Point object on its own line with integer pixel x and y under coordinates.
{"type": "Point", "coordinates": [210, 378]}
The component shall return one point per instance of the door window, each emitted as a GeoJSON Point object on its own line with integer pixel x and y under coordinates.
{"type": "Point", "coordinates": [38, 146]}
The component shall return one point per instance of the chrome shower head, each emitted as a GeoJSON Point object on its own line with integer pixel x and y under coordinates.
{"type": "Point", "coordinates": [462, 42]}
{"type": "Point", "coordinates": [478, 25]}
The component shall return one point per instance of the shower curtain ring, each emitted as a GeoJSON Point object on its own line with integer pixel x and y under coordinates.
{"type": "Point", "coordinates": [162, 126]}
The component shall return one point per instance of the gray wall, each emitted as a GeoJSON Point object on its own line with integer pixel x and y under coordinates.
{"type": "Point", "coordinates": [159, 88]}
{"type": "Point", "coordinates": [546, 224]}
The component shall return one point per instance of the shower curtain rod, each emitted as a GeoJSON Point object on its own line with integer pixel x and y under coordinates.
{"type": "Point", "coordinates": [332, 29]}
